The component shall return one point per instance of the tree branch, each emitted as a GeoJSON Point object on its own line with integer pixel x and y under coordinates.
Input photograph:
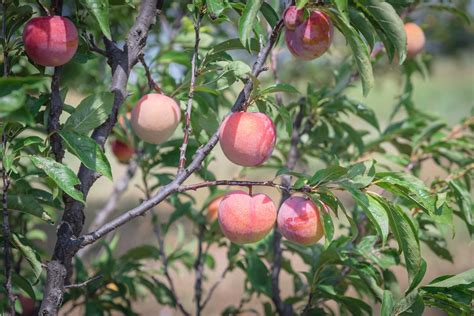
{"type": "Point", "coordinates": [214, 287]}
{"type": "Point", "coordinates": [54, 114]}
{"type": "Point", "coordinates": [164, 258]}
{"type": "Point", "coordinates": [189, 106]}
{"type": "Point", "coordinates": [283, 187]}
{"type": "Point", "coordinates": [199, 157]}
{"type": "Point", "coordinates": [198, 266]}
{"type": "Point", "coordinates": [151, 83]}
{"type": "Point", "coordinates": [121, 61]}
{"type": "Point", "coordinates": [7, 251]}
{"type": "Point", "coordinates": [281, 307]}
{"type": "Point", "coordinates": [85, 283]}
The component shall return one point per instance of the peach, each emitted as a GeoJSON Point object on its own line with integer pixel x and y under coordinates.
{"type": "Point", "coordinates": [293, 17]}
{"type": "Point", "coordinates": [244, 218]}
{"type": "Point", "coordinates": [213, 208]}
{"type": "Point", "coordinates": [247, 139]}
{"type": "Point", "coordinates": [415, 39]}
{"type": "Point", "coordinates": [155, 118]}
{"type": "Point", "coordinates": [299, 221]}
{"type": "Point", "coordinates": [50, 40]}
{"type": "Point", "coordinates": [312, 38]}
{"type": "Point", "coordinates": [122, 151]}
{"type": "Point", "coordinates": [28, 305]}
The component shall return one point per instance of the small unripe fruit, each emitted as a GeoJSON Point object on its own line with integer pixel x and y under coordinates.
{"type": "Point", "coordinates": [213, 208]}
{"type": "Point", "coordinates": [299, 221]}
{"type": "Point", "coordinates": [246, 219]}
{"type": "Point", "coordinates": [122, 151]}
{"type": "Point", "coordinates": [415, 39]}
{"type": "Point", "coordinates": [312, 38]}
{"type": "Point", "coordinates": [50, 40]}
{"type": "Point", "coordinates": [293, 17]}
{"type": "Point", "coordinates": [155, 118]}
{"type": "Point", "coordinates": [247, 139]}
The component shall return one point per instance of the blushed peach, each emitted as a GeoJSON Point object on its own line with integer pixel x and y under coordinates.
{"type": "Point", "coordinates": [312, 38]}
{"type": "Point", "coordinates": [299, 221]}
{"type": "Point", "coordinates": [155, 118]}
{"type": "Point", "coordinates": [415, 39]}
{"type": "Point", "coordinates": [293, 17]}
{"type": "Point", "coordinates": [213, 208]}
{"type": "Point", "coordinates": [122, 151]}
{"type": "Point", "coordinates": [244, 218]}
{"type": "Point", "coordinates": [247, 139]}
{"type": "Point", "coordinates": [50, 40]}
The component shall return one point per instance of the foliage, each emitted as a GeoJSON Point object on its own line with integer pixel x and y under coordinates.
{"type": "Point", "coordinates": [391, 213]}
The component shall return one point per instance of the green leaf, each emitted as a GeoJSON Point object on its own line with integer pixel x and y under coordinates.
{"type": "Point", "coordinates": [301, 3]}
{"type": "Point", "coordinates": [360, 22]}
{"type": "Point", "coordinates": [90, 113]}
{"type": "Point", "coordinates": [270, 15]}
{"type": "Point", "coordinates": [374, 211]}
{"type": "Point", "coordinates": [329, 174]}
{"type": "Point", "coordinates": [407, 238]}
{"type": "Point", "coordinates": [141, 252]}
{"type": "Point", "coordinates": [215, 7]}
{"type": "Point", "coordinates": [28, 204]}
{"type": "Point", "coordinates": [463, 199]}
{"type": "Point", "coordinates": [279, 87]}
{"type": "Point", "coordinates": [343, 8]}
{"type": "Point", "coordinates": [247, 21]}
{"type": "Point", "coordinates": [61, 175]}
{"type": "Point", "coordinates": [389, 22]}
{"type": "Point", "coordinates": [464, 279]}
{"type": "Point", "coordinates": [88, 151]}
{"type": "Point", "coordinates": [451, 9]}
{"type": "Point", "coordinates": [9, 84]}
{"type": "Point", "coordinates": [100, 10]}
{"type": "Point", "coordinates": [360, 175]}
{"type": "Point", "coordinates": [359, 49]}
{"type": "Point", "coordinates": [23, 284]}
{"type": "Point", "coordinates": [258, 274]}
{"type": "Point", "coordinates": [30, 255]}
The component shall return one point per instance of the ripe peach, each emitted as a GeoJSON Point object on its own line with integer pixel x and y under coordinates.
{"type": "Point", "coordinates": [299, 221]}
{"type": "Point", "coordinates": [293, 17]}
{"type": "Point", "coordinates": [244, 218]}
{"type": "Point", "coordinates": [122, 151]}
{"type": "Point", "coordinates": [155, 118]}
{"type": "Point", "coordinates": [247, 139]}
{"type": "Point", "coordinates": [50, 40]}
{"type": "Point", "coordinates": [415, 39]}
{"type": "Point", "coordinates": [213, 208]}
{"type": "Point", "coordinates": [311, 38]}
{"type": "Point", "coordinates": [27, 305]}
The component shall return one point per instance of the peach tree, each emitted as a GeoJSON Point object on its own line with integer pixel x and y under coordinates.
{"type": "Point", "coordinates": [164, 83]}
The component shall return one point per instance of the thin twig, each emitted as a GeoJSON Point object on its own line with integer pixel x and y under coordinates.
{"type": "Point", "coordinates": [7, 252]}
{"type": "Point", "coordinates": [164, 259]}
{"type": "Point", "coordinates": [6, 65]}
{"type": "Point", "coordinates": [85, 283]}
{"type": "Point", "coordinates": [198, 266]}
{"type": "Point", "coordinates": [151, 83]}
{"type": "Point", "coordinates": [214, 287]}
{"type": "Point", "coordinates": [93, 45]}
{"type": "Point", "coordinates": [189, 106]}
{"type": "Point", "coordinates": [243, 183]}
{"type": "Point", "coordinates": [43, 9]}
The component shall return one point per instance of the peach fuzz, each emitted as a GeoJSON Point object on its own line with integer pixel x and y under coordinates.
{"type": "Point", "coordinates": [247, 139]}
{"type": "Point", "coordinates": [312, 38]}
{"type": "Point", "coordinates": [415, 39]}
{"type": "Point", "coordinates": [122, 151]}
{"type": "Point", "coordinates": [50, 40]}
{"type": "Point", "coordinates": [299, 221]}
{"type": "Point", "coordinates": [155, 118]}
{"type": "Point", "coordinates": [213, 208]}
{"type": "Point", "coordinates": [246, 219]}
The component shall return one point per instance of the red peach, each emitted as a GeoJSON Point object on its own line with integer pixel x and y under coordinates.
{"type": "Point", "coordinates": [244, 218]}
{"type": "Point", "coordinates": [293, 17]}
{"type": "Point", "coordinates": [415, 39]}
{"type": "Point", "coordinates": [122, 151]}
{"type": "Point", "coordinates": [312, 38]}
{"type": "Point", "coordinates": [27, 305]}
{"type": "Point", "coordinates": [50, 40]}
{"type": "Point", "coordinates": [247, 139]}
{"type": "Point", "coordinates": [299, 221]}
{"type": "Point", "coordinates": [155, 118]}
{"type": "Point", "coordinates": [213, 208]}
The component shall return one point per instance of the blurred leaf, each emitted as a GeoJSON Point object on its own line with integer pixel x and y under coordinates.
{"type": "Point", "coordinates": [258, 274]}
{"type": "Point", "coordinates": [278, 87]}
{"type": "Point", "coordinates": [61, 175]}
{"type": "Point", "coordinates": [88, 151]}
{"type": "Point", "coordinates": [30, 255]}
{"type": "Point", "coordinates": [28, 204]}
{"type": "Point", "coordinates": [248, 20]}
{"type": "Point", "coordinates": [215, 7]}
{"type": "Point", "coordinates": [464, 279]}
{"type": "Point", "coordinates": [23, 284]}
{"type": "Point", "coordinates": [100, 10]}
